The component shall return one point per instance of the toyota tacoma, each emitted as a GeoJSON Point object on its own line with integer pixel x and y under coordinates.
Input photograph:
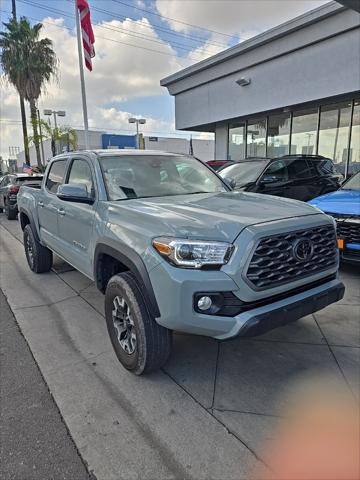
{"type": "Point", "coordinates": [174, 249]}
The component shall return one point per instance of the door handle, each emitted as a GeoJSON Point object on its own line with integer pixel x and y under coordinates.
{"type": "Point", "coordinates": [61, 212]}
{"type": "Point", "coordinates": [41, 204]}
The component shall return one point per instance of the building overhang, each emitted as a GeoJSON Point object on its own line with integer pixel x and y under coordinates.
{"type": "Point", "coordinates": [311, 57]}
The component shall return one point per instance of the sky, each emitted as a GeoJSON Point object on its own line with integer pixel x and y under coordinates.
{"type": "Point", "coordinates": [137, 43]}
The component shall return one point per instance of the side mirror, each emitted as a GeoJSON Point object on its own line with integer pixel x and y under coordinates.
{"type": "Point", "coordinates": [74, 192]}
{"type": "Point", "coordinates": [230, 182]}
{"type": "Point", "coordinates": [266, 179]}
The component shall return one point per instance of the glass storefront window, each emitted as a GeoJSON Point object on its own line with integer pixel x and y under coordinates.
{"type": "Point", "coordinates": [236, 142]}
{"type": "Point", "coordinates": [304, 132]}
{"type": "Point", "coordinates": [334, 133]}
{"type": "Point", "coordinates": [278, 135]}
{"type": "Point", "coordinates": [256, 138]}
{"type": "Point", "coordinates": [354, 162]}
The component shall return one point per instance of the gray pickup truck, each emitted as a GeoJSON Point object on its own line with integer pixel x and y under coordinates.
{"type": "Point", "coordinates": [173, 248]}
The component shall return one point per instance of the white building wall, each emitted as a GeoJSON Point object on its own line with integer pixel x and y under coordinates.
{"type": "Point", "coordinates": [221, 142]}
{"type": "Point", "coordinates": [95, 143]}
{"type": "Point", "coordinates": [202, 148]}
{"type": "Point", "coordinates": [310, 58]}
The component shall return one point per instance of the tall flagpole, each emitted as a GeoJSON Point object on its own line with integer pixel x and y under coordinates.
{"type": "Point", "coordinates": [82, 79]}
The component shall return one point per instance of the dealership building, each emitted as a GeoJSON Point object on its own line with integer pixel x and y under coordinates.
{"type": "Point", "coordinates": [293, 89]}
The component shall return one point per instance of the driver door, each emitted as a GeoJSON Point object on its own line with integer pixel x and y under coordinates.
{"type": "Point", "coordinates": [76, 219]}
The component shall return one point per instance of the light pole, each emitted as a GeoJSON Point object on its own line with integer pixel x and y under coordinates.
{"type": "Point", "coordinates": [59, 113]}
{"type": "Point", "coordinates": [137, 121]}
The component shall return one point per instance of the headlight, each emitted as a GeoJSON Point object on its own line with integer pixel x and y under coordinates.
{"type": "Point", "coordinates": [193, 253]}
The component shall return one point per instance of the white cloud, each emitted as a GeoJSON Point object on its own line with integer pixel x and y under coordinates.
{"type": "Point", "coordinates": [206, 50]}
{"type": "Point", "coordinates": [118, 120]}
{"type": "Point", "coordinates": [120, 72]}
{"type": "Point", "coordinates": [243, 18]}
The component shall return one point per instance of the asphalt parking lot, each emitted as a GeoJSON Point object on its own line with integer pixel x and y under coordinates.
{"type": "Point", "coordinates": [213, 409]}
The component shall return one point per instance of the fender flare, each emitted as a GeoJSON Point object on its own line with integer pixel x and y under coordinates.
{"type": "Point", "coordinates": [135, 264]}
{"type": "Point", "coordinates": [31, 221]}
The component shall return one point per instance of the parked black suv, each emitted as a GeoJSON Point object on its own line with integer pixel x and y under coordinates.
{"type": "Point", "coordinates": [9, 188]}
{"type": "Point", "coordinates": [302, 177]}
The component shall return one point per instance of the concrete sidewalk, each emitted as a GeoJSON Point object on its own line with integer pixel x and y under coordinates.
{"type": "Point", "coordinates": [34, 441]}
{"type": "Point", "coordinates": [208, 414]}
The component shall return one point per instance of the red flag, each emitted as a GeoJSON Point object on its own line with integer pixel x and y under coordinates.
{"type": "Point", "coordinates": [86, 32]}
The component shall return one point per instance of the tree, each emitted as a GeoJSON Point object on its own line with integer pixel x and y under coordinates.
{"type": "Point", "coordinates": [65, 136]}
{"type": "Point", "coordinates": [28, 63]}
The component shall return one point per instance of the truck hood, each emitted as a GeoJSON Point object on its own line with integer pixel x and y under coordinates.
{"type": "Point", "coordinates": [216, 216]}
{"type": "Point", "coordinates": [344, 202]}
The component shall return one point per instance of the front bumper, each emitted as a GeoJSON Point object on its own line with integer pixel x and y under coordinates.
{"type": "Point", "coordinates": [175, 288]}
{"type": "Point", "coordinates": [350, 255]}
{"type": "Point", "coordinates": [259, 323]}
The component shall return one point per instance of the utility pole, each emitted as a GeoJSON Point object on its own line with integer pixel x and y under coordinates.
{"type": "Point", "coordinates": [22, 107]}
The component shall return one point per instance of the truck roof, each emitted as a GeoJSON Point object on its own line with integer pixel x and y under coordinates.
{"type": "Point", "coordinates": [119, 151]}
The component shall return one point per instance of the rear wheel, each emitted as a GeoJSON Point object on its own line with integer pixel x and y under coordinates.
{"type": "Point", "coordinates": [9, 212]}
{"type": "Point", "coordinates": [140, 344]}
{"type": "Point", "coordinates": [39, 258]}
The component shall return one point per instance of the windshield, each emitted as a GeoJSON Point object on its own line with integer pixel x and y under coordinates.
{"type": "Point", "coordinates": [141, 176]}
{"type": "Point", "coordinates": [353, 183]}
{"type": "Point", "coordinates": [243, 172]}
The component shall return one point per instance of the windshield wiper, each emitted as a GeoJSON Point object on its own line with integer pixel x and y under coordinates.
{"type": "Point", "coordinates": [194, 193]}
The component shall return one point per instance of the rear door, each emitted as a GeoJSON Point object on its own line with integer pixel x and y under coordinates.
{"type": "Point", "coordinates": [327, 178]}
{"type": "Point", "coordinates": [76, 219]}
{"type": "Point", "coordinates": [48, 205]}
{"type": "Point", "coordinates": [303, 180]}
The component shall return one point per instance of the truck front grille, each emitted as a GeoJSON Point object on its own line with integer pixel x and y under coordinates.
{"type": "Point", "coordinates": [347, 227]}
{"type": "Point", "coordinates": [276, 258]}
{"type": "Point", "coordinates": [349, 231]}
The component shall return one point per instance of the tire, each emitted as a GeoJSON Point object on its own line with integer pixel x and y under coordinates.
{"type": "Point", "coordinates": [10, 214]}
{"type": "Point", "coordinates": [126, 306]}
{"type": "Point", "coordinates": [1, 209]}
{"type": "Point", "coordinates": [39, 258]}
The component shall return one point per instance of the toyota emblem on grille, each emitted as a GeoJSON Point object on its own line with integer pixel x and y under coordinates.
{"type": "Point", "coordinates": [303, 249]}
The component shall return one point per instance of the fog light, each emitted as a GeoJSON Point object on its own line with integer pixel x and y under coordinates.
{"type": "Point", "coordinates": [204, 303]}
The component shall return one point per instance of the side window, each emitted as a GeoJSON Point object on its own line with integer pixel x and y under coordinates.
{"type": "Point", "coordinates": [56, 175]}
{"type": "Point", "coordinates": [4, 181]}
{"type": "Point", "coordinates": [299, 168]}
{"type": "Point", "coordinates": [8, 180]}
{"type": "Point", "coordinates": [325, 167]}
{"type": "Point", "coordinates": [80, 172]}
{"type": "Point", "coordinates": [277, 170]}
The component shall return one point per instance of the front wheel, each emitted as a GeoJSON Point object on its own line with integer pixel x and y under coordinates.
{"type": "Point", "coordinates": [39, 258]}
{"type": "Point", "coordinates": [140, 344]}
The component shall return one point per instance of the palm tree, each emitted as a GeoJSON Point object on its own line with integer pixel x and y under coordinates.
{"type": "Point", "coordinates": [65, 136]}
{"type": "Point", "coordinates": [28, 64]}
